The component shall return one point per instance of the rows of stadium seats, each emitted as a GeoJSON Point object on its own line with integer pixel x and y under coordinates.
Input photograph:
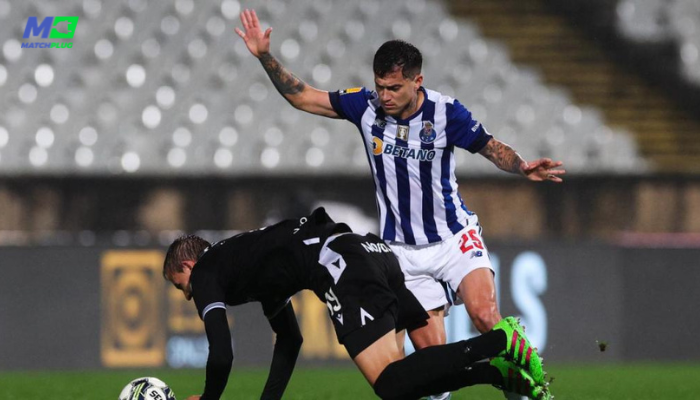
{"type": "Point", "coordinates": [167, 88]}
{"type": "Point", "coordinates": [662, 20]}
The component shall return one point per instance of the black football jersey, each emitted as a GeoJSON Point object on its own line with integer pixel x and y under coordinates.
{"type": "Point", "coordinates": [267, 265]}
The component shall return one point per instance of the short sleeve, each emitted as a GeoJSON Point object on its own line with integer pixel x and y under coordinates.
{"type": "Point", "coordinates": [464, 131]}
{"type": "Point", "coordinates": [207, 292]}
{"type": "Point", "coordinates": [350, 104]}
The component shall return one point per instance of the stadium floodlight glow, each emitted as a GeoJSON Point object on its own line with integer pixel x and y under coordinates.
{"type": "Point", "coordinates": [130, 162]}
{"type": "Point", "coordinates": [151, 117]}
{"type": "Point", "coordinates": [258, 91]}
{"type": "Point", "coordinates": [165, 97]}
{"type": "Point", "coordinates": [43, 75]}
{"type": "Point", "coordinates": [314, 157]}
{"type": "Point", "coordinates": [230, 9]}
{"type": "Point", "coordinates": [38, 156]}
{"type": "Point", "coordinates": [44, 137]}
{"type": "Point", "coordinates": [177, 157]}
{"type": "Point", "coordinates": [4, 137]}
{"type": "Point", "coordinates": [59, 113]}
{"type": "Point", "coordinates": [92, 8]}
{"type": "Point", "coordinates": [88, 136]}
{"type": "Point", "coordinates": [3, 75]}
{"type": "Point", "coordinates": [320, 136]}
{"type": "Point", "coordinates": [124, 27]}
{"type": "Point", "coordinates": [104, 49]}
{"type": "Point", "coordinates": [216, 26]}
{"type": "Point", "coordinates": [27, 93]}
{"type": "Point", "coordinates": [228, 136]}
{"type": "Point", "coordinates": [243, 114]}
{"type": "Point", "coordinates": [270, 157]}
{"type": "Point", "coordinates": [290, 49]}
{"type": "Point", "coordinates": [448, 30]}
{"type": "Point", "coordinates": [321, 73]}
{"type": "Point", "coordinates": [274, 136]}
{"type": "Point", "coordinates": [169, 25]}
{"type": "Point", "coordinates": [198, 113]}
{"type": "Point", "coordinates": [5, 8]}
{"type": "Point", "coordinates": [182, 137]}
{"type": "Point", "coordinates": [135, 75]}
{"type": "Point", "coordinates": [197, 48]}
{"type": "Point", "coordinates": [84, 157]}
{"type": "Point", "coordinates": [223, 158]}
{"type": "Point", "coordinates": [184, 7]}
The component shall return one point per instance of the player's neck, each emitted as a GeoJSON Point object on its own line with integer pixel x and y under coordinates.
{"type": "Point", "coordinates": [413, 106]}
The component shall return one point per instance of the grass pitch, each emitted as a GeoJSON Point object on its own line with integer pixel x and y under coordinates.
{"type": "Point", "coordinates": [619, 382]}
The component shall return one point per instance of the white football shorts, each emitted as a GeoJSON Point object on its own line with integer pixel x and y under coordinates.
{"type": "Point", "coordinates": [426, 267]}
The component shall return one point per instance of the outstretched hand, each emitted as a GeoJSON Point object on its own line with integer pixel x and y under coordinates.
{"type": "Point", "coordinates": [542, 170]}
{"type": "Point", "coordinates": [257, 42]}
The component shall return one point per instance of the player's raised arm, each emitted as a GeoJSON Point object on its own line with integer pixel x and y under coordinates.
{"type": "Point", "coordinates": [296, 91]}
{"type": "Point", "coordinates": [507, 159]}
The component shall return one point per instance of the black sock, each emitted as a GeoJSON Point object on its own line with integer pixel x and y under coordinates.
{"type": "Point", "coordinates": [444, 368]}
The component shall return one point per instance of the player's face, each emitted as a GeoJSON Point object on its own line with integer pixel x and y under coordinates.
{"type": "Point", "coordinates": [398, 96]}
{"type": "Point", "coordinates": [181, 280]}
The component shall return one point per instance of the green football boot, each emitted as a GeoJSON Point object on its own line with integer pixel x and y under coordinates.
{"type": "Point", "coordinates": [517, 380]}
{"type": "Point", "coordinates": [519, 350]}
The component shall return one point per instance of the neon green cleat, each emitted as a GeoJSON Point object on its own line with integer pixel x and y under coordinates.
{"type": "Point", "coordinates": [519, 350]}
{"type": "Point", "coordinates": [517, 380]}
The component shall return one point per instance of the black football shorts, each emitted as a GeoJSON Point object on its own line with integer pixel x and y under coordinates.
{"type": "Point", "coordinates": [368, 297]}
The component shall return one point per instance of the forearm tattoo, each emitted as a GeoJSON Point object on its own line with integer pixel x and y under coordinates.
{"type": "Point", "coordinates": [285, 82]}
{"type": "Point", "coordinates": [503, 156]}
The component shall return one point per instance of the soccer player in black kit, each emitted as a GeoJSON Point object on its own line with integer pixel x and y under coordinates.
{"type": "Point", "coordinates": [361, 282]}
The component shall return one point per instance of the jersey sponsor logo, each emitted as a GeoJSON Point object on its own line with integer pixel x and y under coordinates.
{"type": "Point", "coordinates": [376, 248]}
{"type": "Point", "coordinates": [377, 146]}
{"type": "Point", "coordinates": [427, 134]}
{"type": "Point", "coordinates": [406, 152]}
{"type": "Point", "coordinates": [350, 90]}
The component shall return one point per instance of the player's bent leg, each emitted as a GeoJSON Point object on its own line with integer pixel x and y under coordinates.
{"type": "Point", "coordinates": [478, 292]}
{"type": "Point", "coordinates": [441, 368]}
{"type": "Point", "coordinates": [432, 333]}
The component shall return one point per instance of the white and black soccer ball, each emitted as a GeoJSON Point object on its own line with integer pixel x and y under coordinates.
{"type": "Point", "coordinates": [146, 388]}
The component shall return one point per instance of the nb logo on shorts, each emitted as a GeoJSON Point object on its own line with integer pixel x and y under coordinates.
{"type": "Point", "coordinates": [376, 248]}
{"type": "Point", "coordinates": [476, 254]}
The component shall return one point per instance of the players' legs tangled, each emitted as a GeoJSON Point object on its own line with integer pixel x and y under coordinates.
{"type": "Point", "coordinates": [443, 368]}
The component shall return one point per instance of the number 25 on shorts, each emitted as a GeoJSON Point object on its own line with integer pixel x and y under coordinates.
{"type": "Point", "coordinates": [470, 240]}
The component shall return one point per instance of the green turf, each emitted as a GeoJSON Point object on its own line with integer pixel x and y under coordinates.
{"type": "Point", "coordinates": [618, 382]}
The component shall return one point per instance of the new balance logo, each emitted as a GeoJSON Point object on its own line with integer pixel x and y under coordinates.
{"type": "Point", "coordinates": [376, 248]}
{"type": "Point", "coordinates": [339, 317]}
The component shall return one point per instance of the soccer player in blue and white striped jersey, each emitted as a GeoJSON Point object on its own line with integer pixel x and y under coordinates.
{"type": "Point", "coordinates": [410, 134]}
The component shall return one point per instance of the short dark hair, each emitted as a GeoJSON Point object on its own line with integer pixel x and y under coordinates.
{"type": "Point", "coordinates": [396, 54]}
{"type": "Point", "coordinates": [184, 248]}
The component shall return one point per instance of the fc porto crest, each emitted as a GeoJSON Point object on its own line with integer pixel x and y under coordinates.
{"type": "Point", "coordinates": [427, 134]}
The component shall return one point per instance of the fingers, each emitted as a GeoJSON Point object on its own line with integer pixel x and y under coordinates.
{"type": "Point", "coordinates": [240, 33]}
{"type": "Point", "coordinates": [268, 32]}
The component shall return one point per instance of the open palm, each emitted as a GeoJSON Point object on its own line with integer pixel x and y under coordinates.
{"type": "Point", "coordinates": [257, 42]}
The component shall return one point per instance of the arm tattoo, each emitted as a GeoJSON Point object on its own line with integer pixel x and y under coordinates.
{"type": "Point", "coordinates": [502, 155]}
{"type": "Point", "coordinates": [285, 82]}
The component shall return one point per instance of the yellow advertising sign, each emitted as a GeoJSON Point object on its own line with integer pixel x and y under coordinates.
{"type": "Point", "coordinates": [133, 333]}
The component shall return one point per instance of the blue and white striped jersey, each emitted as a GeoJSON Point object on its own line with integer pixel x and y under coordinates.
{"type": "Point", "coordinates": [413, 162]}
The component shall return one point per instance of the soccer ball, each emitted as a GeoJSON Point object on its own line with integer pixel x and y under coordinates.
{"type": "Point", "coordinates": [146, 388]}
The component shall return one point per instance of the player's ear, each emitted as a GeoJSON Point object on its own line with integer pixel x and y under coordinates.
{"type": "Point", "coordinates": [418, 80]}
{"type": "Point", "coordinates": [188, 265]}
